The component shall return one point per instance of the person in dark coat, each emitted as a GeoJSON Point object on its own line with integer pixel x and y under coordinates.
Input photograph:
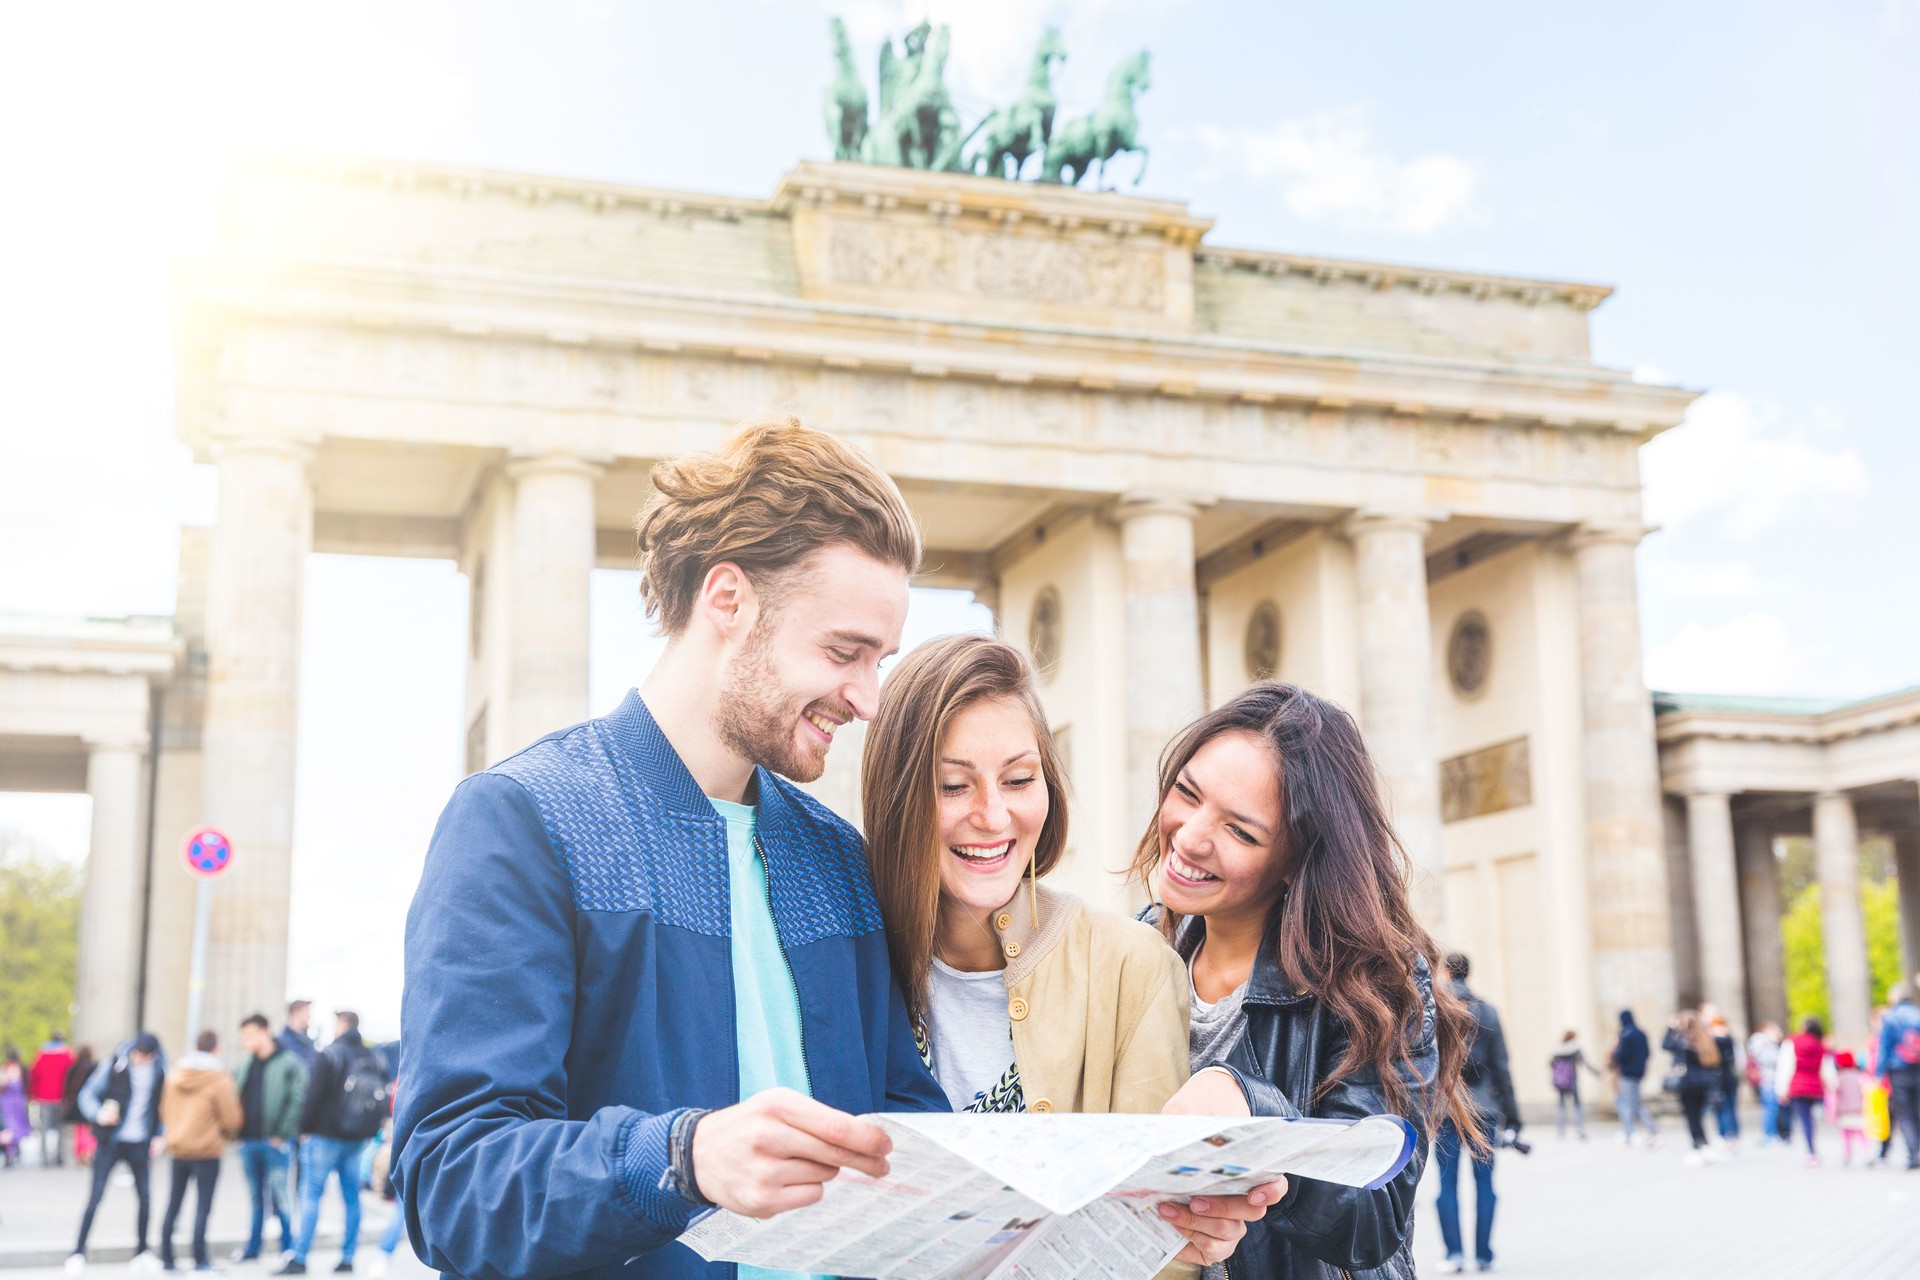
{"type": "Point", "coordinates": [1629, 1058]}
{"type": "Point", "coordinates": [1489, 1080]}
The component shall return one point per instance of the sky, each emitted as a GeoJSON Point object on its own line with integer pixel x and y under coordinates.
{"type": "Point", "coordinates": [1746, 175]}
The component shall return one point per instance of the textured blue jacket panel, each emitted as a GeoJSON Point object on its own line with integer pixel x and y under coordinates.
{"type": "Point", "coordinates": [570, 989]}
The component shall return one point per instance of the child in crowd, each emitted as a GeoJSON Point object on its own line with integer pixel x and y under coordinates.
{"type": "Point", "coordinates": [1846, 1104]}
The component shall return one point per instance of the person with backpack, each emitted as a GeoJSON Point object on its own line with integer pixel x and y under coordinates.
{"type": "Point", "coordinates": [1629, 1057]}
{"type": "Point", "coordinates": [1564, 1068]}
{"type": "Point", "coordinates": [347, 1101]}
{"type": "Point", "coordinates": [1899, 1065]}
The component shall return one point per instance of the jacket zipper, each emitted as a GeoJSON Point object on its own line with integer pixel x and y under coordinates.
{"type": "Point", "coordinates": [793, 983]}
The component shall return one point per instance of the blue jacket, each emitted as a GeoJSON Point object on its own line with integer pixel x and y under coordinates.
{"type": "Point", "coordinates": [1631, 1054]}
{"type": "Point", "coordinates": [570, 991]}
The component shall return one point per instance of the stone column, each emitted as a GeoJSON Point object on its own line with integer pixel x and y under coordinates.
{"type": "Point", "coordinates": [255, 582]}
{"type": "Point", "coordinates": [1760, 916]}
{"type": "Point", "coordinates": [1162, 642]}
{"type": "Point", "coordinates": [1632, 943]}
{"type": "Point", "coordinates": [553, 554]}
{"type": "Point", "coordinates": [1906, 870]}
{"type": "Point", "coordinates": [1716, 905]}
{"type": "Point", "coordinates": [1836, 839]}
{"type": "Point", "coordinates": [108, 973]}
{"type": "Point", "coordinates": [1395, 631]}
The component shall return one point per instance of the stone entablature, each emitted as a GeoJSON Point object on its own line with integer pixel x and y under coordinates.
{"type": "Point", "coordinates": [1775, 745]}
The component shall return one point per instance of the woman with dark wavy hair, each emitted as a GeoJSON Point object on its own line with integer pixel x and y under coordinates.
{"type": "Point", "coordinates": [1281, 883]}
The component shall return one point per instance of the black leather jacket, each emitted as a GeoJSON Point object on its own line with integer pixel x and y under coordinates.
{"type": "Point", "coordinates": [1322, 1229]}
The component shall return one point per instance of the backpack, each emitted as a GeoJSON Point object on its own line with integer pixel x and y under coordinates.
{"type": "Point", "coordinates": [1563, 1073]}
{"type": "Point", "coordinates": [1907, 1047]}
{"type": "Point", "coordinates": [364, 1094]}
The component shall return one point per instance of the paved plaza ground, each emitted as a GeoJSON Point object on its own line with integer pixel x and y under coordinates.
{"type": "Point", "coordinates": [1569, 1211]}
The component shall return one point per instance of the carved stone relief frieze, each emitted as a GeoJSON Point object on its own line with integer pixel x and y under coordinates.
{"type": "Point", "coordinates": [1051, 417]}
{"type": "Point", "coordinates": [961, 409]}
{"type": "Point", "coordinates": [1012, 267]}
{"type": "Point", "coordinates": [1367, 438]}
{"type": "Point", "coordinates": [1134, 421]}
{"type": "Point", "coordinates": [879, 402]}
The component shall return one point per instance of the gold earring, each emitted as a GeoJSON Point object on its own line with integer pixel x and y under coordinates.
{"type": "Point", "coordinates": [1033, 896]}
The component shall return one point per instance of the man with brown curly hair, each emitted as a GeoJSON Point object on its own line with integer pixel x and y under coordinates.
{"type": "Point", "coordinates": [645, 972]}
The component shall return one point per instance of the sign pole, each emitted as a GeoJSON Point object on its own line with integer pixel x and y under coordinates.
{"type": "Point", "coordinates": [197, 976]}
{"type": "Point", "coordinates": [208, 854]}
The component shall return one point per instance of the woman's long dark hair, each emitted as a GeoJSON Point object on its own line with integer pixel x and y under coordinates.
{"type": "Point", "coordinates": [1343, 928]}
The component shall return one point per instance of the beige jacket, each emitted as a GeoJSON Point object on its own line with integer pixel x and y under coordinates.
{"type": "Point", "coordinates": [199, 1108]}
{"type": "Point", "coordinates": [1099, 1007]}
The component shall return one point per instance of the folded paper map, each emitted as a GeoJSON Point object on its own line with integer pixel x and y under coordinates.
{"type": "Point", "coordinates": [1043, 1197]}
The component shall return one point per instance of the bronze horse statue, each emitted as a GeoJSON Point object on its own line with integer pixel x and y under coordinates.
{"type": "Point", "coordinates": [1113, 127]}
{"type": "Point", "coordinates": [846, 98]}
{"type": "Point", "coordinates": [1013, 133]}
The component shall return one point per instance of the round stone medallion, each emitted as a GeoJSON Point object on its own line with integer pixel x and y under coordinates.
{"type": "Point", "coordinates": [1043, 633]}
{"type": "Point", "coordinates": [1261, 651]}
{"type": "Point", "coordinates": [1469, 654]}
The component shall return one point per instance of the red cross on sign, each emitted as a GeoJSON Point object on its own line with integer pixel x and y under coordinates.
{"type": "Point", "coordinates": [207, 851]}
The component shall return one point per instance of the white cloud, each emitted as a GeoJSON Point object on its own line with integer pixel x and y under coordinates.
{"type": "Point", "coordinates": [1330, 169]}
{"type": "Point", "coordinates": [1749, 654]}
{"type": "Point", "coordinates": [1745, 464]}
{"type": "Point", "coordinates": [1726, 580]}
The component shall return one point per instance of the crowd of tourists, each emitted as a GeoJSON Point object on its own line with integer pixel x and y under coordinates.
{"type": "Point", "coordinates": [295, 1115]}
{"type": "Point", "coordinates": [1800, 1082]}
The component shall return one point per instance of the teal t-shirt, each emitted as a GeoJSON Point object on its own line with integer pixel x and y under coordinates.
{"type": "Point", "coordinates": [766, 1008]}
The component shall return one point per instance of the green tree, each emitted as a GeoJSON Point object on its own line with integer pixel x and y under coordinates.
{"type": "Point", "coordinates": [1804, 940]}
{"type": "Point", "coordinates": [39, 942]}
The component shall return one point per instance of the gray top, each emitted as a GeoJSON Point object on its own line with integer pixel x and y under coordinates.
{"type": "Point", "coordinates": [1215, 1027]}
{"type": "Point", "coordinates": [969, 1031]}
{"type": "Point", "coordinates": [133, 1125]}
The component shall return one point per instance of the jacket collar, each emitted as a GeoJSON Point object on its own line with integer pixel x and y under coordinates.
{"type": "Point", "coordinates": [649, 754]}
{"type": "Point", "coordinates": [1034, 937]}
{"type": "Point", "coordinates": [1266, 985]}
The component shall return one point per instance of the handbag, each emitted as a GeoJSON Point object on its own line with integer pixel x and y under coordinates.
{"type": "Point", "coordinates": [1671, 1082]}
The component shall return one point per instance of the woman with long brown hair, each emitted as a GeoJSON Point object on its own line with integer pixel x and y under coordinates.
{"type": "Point", "coordinates": [1284, 889]}
{"type": "Point", "coordinates": [1023, 997]}
{"type": "Point", "coordinates": [1696, 1061]}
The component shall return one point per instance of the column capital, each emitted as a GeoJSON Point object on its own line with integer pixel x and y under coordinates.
{"type": "Point", "coordinates": [1364, 522]}
{"type": "Point", "coordinates": [299, 450]}
{"type": "Point", "coordinates": [1627, 534]}
{"type": "Point", "coordinates": [521, 465]}
{"type": "Point", "coordinates": [109, 741]}
{"type": "Point", "coordinates": [1134, 505]}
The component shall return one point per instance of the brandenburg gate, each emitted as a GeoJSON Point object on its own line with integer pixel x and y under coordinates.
{"type": "Point", "coordinates": [1169, 467]}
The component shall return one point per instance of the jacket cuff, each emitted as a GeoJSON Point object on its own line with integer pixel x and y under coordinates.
{"type": "Point", "coordinates": [642, 1156]}
{"type": "Point", "coordinates": [1264, 1098]}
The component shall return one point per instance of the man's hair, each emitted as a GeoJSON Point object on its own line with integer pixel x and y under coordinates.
{"type": "Point", "coordinates": [1457, 966]}
{"type": "Point", "coordinates": [765, 500]}
{"type": "Point", "coordinates": [256, 1020]}
{"type": "Point", "coordinates": [295, 1006]}
{"type": "Point", "coordinates": [349, 1017]}
{"type": "Point", "coordinates": [206, 1041]}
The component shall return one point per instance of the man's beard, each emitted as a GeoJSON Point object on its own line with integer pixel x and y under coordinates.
{"type": "Point", "coordinates": [754, 720]}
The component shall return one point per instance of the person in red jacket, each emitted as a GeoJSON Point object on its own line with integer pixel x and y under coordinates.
{"type": "Point", "coordinates": [1808, 1091]}
{"type": "Point", "coordinates": [46, 1090]}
